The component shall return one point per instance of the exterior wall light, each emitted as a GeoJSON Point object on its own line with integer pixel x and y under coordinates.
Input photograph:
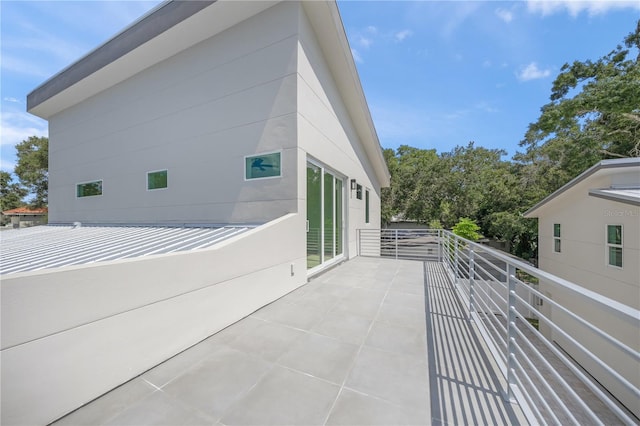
{"type": "Point", "coordinates": [353, 184]}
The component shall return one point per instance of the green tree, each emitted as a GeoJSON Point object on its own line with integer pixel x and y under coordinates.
{"type": "Point", "coordinates": [594, 114]}
{"type": "Point", "coordinates": [467, 228]}
{"type": "Point", "coordinates": [33, 168]}
{"type": "Point", "coordinates": [11, 193]}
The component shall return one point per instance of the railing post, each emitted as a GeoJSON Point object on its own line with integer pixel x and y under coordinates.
{"type": "Point", "coordinates": [440, 237]}
{"type": "Point", "coordinates": [396, 237]}
{"type": "Point", "coordinates": [456, 256]}
{"type": "Point", "coordinates": [472, 268]}
{"type": "Point", "coordinates": [511, 333]}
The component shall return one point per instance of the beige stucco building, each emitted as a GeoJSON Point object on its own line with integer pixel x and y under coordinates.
{"type": "Point", "coordinates": [589, 235]}
{"type": "Point", "coordinates": [238, 114]}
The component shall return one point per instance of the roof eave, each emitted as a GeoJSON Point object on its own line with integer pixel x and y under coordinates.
{"type": "Point", "coordinates": [345, 72]}
{"type": "Point", "coordinates": [604, 164]}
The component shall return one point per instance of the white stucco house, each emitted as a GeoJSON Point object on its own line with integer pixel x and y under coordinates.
{"type": "Point", "coordinates": [244, 121]}
{"type": "Point", "coordinates": [589, 235]}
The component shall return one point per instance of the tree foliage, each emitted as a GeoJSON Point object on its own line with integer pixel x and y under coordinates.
{"type": "Point", "coordinates": [11, 193]}
{"type": "Point", "coordinates": [468, 182]}
{"type": "Point", "coordinates": [467, 228]}
{"type": "Point", "coordinates": [594, 114]}
{"type": "Point", "coordinates": [33, 168]}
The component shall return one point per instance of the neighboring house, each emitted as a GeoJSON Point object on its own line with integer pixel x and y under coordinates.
{"type": "Point", "coordinates": [25, 216]}
{"type": "Point", "coordinates": [589, 235]}
{"type": "Point", "coordinates": [236, 114]}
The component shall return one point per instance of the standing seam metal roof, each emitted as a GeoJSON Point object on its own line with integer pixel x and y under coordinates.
{"type": "Point", "coordinates": [45, 247]}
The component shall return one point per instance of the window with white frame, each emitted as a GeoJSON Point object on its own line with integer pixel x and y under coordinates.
{"type": "Point", "coordinates": [157, 180]}
{"type": "Point", "coordinates": [89, 189]}
{"type": "Point", "coordinates": [556, 238]}
{"type": "Point", "coordinates": [262, 166]}
{"type": "Point", "coordinates": [614, 245]}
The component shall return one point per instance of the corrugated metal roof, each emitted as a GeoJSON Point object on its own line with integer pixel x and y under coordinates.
{"type": "Point", "coordinates": [44, 247]}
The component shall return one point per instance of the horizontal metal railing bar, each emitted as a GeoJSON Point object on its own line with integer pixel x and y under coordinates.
{"type": "Point", "coordinates": [547, 388]}
{"type": "Point", "coordinates": [483, 277]}
{"type": "Point", "coordinates": [629, 351]}
{"type": "Point", "coordinates": [526, 356]}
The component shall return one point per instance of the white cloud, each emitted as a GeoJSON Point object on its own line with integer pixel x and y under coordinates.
{"type": "Point", "coordinates": [371, 29]}
{"type": "Point", "coordinates": [363, 41]}
{"type": "Point", "coordinates": [575, 7]}
{"type": "Point", "coordinates": [486, 107]}
{"type": "Point", "coordinates": [13, 100]}
{"type": "Point", "coordinates": [356, 56]}
{"type": "Point", "coordinates": [504, 14]}
{"type": "Point", "coordinates": [18, 126]}
{"type": "Point", "coordinates": [401, 35]}
{"type": "Point", "coordinates": [532, 72]}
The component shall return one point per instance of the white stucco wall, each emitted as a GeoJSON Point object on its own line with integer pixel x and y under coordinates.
{"type": "Point", "coordinates": [196, 114]}
{"type": "Point", "coordinates": [72, 334]}
{"type": "Point", "coordinates": [583, 260]}
{"type": "Point", "coordinates": [326, 133]}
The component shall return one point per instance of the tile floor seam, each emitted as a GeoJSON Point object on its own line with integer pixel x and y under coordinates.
{"type": "Point", "coordinates": [372, 396]}
{"type": "Point", "coordinates": [360, 346]}
{"type": "Point", "coordinates": [245, 393]}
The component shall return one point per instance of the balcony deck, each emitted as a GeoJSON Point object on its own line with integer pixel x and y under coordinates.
{"type": "Point", "coordinates": [372, 341]}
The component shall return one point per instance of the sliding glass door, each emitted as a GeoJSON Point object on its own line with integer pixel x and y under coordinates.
{"type": "Point", "coordinates": [324, 215]}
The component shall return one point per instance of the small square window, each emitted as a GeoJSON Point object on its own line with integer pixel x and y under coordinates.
{"type": "Point", "coordinates": [157, 180]}
{"type": "Point", "coordinates": [89, 189]}
{"type": "Point", "coordinates": [263, 166]}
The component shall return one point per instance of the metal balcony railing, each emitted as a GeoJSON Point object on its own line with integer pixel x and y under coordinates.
{"type": "Point", "coordinates": [546, 334]}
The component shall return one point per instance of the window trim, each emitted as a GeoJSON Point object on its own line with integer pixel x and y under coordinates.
{"type": "Point", "coordinates": [609, 246]}
{"type": "Point", "coordinates": [157, 171]}
{"type": "Point", "coordinates": [101, 181]}
{"type": "Point", "coordinates": [244, 165]}
{"type": "Point", "coordinates": [557, 248]}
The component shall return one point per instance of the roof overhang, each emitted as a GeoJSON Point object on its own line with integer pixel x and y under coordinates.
{"type": "Point", "coordinates": [627, 196]}
{"type": "Point", "coordinates": [602, 168]}
{"type": "Point", "coordinates": [171, 27]}
{"type": "Point", "coordinates": [176, 25]}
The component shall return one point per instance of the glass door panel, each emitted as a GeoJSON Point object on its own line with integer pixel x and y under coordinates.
{"type": "Point", "coordinates": [314, 216]}
{"type": "Point", "coordinates": [338, 216]}
{"type": "Point", "coordinates": [329, 228]}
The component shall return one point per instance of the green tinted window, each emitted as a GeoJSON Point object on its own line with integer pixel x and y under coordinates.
{"type": "Point", "coordinates": [614, 234]}
{"type": "Point", "coordinates": [262, 166]}
{"type": "Point", "coordinates": [614, 245]}
{"type": "Point", "coordinates": [556, 238]}
{"type": "Point", "coordinates": [366, 206]}
{"type": "Point", "coordinates": [157, 180]}
{"type": "Point", "coordinates": [89, 189]}
{"type": "Point", "coordinates": [615, 256]}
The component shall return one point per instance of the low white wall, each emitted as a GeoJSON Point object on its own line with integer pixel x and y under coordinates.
{"type": "Point", "coordinates": [72, 334]}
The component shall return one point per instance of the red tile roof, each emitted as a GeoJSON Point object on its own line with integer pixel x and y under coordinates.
{"type": "Point", "coordinates": [25, 210]}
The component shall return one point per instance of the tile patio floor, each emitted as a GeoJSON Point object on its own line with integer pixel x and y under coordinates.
{"type": "Point", "coordinates": [370, 342]}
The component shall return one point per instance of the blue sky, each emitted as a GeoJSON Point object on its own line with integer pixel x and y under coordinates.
{"type": "Point", "coordinates": [436, 74]}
